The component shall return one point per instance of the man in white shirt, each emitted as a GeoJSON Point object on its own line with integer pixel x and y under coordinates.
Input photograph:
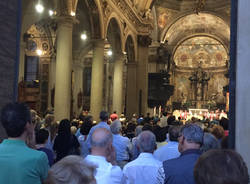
{"type": "Point", "coordinates": [103, 157]}
{"type": "Point", "coordinates": [164, 120]}
{"type": "Point", "coordinates": [143, 169]}
{"type": "Point", "coordinates": [170, 150]}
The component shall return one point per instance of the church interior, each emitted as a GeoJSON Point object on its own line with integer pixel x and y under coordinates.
{"type": "Point", "coordinates": [128, 56]}
{"type": "Point", "coordinates": [186, 57]}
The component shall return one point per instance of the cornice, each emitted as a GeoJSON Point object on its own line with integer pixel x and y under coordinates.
{"type": "Point", "coordinates": [142, 22]}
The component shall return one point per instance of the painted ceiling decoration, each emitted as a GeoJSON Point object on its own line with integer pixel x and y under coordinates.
{"type": "Point", "coordinates": [202, 23]}
{"type": "Point", "coordinates": [201, 50]}
{"type": "Point", "coordinates": [186, 5]}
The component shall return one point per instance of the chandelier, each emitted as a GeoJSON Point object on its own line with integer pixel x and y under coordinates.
{"type": "Point", "coordinates": [199, 6]}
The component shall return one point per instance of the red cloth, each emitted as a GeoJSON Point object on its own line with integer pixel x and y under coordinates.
{"type": "Point", "coordinates": [226, 132]}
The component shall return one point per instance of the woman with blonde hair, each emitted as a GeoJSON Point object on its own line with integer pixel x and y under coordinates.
{"type": "Point", "coordinates": [71, 170]}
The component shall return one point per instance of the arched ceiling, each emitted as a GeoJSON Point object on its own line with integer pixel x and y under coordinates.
{"type": "Point", "coordinates": [143, 5]}
{"type": "Point", "coordinates": [191, 4]}
{"type": "Point", "coordinates": [193, 24]}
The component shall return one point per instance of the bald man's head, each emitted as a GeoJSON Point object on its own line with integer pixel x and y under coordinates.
{"type": "Point", "coordinates": [101, 137]}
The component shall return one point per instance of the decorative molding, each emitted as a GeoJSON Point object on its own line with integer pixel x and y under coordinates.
{"type": "Point", "coordinates": [142, 22]}
{"type": "Point", "coordinates": [144, 40]}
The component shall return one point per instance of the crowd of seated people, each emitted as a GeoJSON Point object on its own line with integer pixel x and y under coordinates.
{"type": "Point", "coordinates": [116, 150]}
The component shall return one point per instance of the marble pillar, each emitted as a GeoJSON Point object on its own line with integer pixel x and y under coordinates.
{"type": "Point", "coordinates": [142, 73]}
{"type": "Point", "coordinates": [63, 69]}
{"type": "Point", "coordinates": [96, 97]}
{"type": "Point", "coordinates": [21, 61]}
{"type": "Point", "coordinates": [131, 108]}
{"type": "Point", "coordinates": [118, 84]}
{"type": "Point", "coordinates": [242, 103]}
{"type": "Point", "coordinates": [77, 88]}
{"type": "Point", "coordinates": [52, 77]}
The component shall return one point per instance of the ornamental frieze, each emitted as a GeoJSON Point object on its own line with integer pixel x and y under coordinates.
{"type": "Point", "coordinates": [141, 21]}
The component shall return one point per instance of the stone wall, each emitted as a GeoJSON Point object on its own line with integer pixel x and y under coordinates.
{"type": "Point", "coordinates": [9, 48]}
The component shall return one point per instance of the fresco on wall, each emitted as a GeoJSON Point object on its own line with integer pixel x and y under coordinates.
{"type": "Point", "coordinates": [165, 16]}
{"type": "Point", "coordinates": [215, 88]}
{"type": "Point", "coordinates": [182, 88]}
{"type": "Point", "coordinates": [201, 23]}
{"type": "Point", "coordinates": [200, 50]}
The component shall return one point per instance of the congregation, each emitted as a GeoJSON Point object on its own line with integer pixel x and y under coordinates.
{"type": "Point", "coordinates": [160, 150]}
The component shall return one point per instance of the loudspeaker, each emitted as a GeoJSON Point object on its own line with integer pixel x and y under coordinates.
{"type": "Point", "coordinates": [158, 90]}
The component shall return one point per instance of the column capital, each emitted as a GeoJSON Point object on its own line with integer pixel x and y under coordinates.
{"type": "Point", "coordinates": [66, 20]}
{"type": "Point", "coordinates": [120, 56]}
{"type": "Point", "coordinates": [98, 42]}
{"type": "Point", "coordinates": [131, 64]}
{"type": "Point", "coordinates": [144, 40]}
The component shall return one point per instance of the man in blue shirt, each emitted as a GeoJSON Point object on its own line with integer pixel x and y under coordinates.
{"type": "Point", "coordinates": [19, 163]}
{"type": "Point", "coordinates": [121, 144]}
{"type": "Point", "coordinates": [170, 150]}
{"type": "Point", "coordinates": [104, 116]}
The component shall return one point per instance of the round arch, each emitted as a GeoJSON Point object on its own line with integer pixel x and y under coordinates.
{"type": "Point", "coordinates": [191, 23]}
{"type": "Point", "coordinates": [132, 37]}
{"type": "Point", "coordinates": [114, 17]}
{"type": "Point", "coordinates": [114, 35]}
{"type": "Point", "coordinates": [130, 49]}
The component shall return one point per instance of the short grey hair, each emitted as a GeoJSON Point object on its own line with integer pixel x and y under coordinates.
{"type": "Point", "coordinates": [192, 133]}
{"type": "Point", "coordinates": [209, 142]}
{"type": "Point", "coordinates": [104, 140]}
{"type": "Point", "coordinates": [138, 130]}
{"type": "Point", "coordinates": [115, 127]}
{"type": "Point", "coordinates": [146, 141]}
{"type": "Point", "coordinates": [71, 169]}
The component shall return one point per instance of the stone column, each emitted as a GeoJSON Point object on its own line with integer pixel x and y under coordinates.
{"type": "Point", "coordinates": [63, 69]}
{"type": "Point", "coordinates": [131, 108]}
{"type": "Point", "coordinates": [142, 73]}
{"type": "Point", "coordinates": [118, 84]}
{"type": "Point", "coordinates": [96, 97]}
{"type": "Point", "coordinates": [21, 61]}
{"type": "Point", "coordinates": [78, 81]}
{"type": "Point", "coordinates": [240, 46]}
{"type": "Point", "coordinates": [52, 77]}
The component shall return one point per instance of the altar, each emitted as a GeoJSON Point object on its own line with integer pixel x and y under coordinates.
{"type": "Point", "coordinates": [199, 114]}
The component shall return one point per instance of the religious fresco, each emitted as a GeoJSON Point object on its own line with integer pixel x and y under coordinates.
{"type": "Point", "coordinates": [181, 87]}
{"type": "Point", "coordinates": [164, 16]}
{"type": "Point", "coordinates": [201, 23]}
{"type": "Point", "coordinates": [202, 50]}
{"type": "Point", "coordinates": [215, 88]}
{"type": "Point", "coordinates": [37, 39]}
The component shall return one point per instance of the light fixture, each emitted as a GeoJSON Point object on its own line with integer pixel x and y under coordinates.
{"type": "Point", "coordinates": [109, 52]}
{"type": "Point", "coordinates": [73, 13]}
{"type": "Point", "coordinates": [39, 52]}
{"type": "Point", "coordinates": [83, 36]}
{"type": "Point", "coordinates": [51, 12]}
{"type": "Point", "coordinates": [39, 8]}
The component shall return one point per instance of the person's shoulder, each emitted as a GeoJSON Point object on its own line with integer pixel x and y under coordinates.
{"type": "Point", "coordinates": [130, 164]}
{"type": "Point", "coordinates": [125, 138]}
{"type": "Point", "coordinates": [161, 149]}
{"type": "Point", "coordinates": [172, 161]}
